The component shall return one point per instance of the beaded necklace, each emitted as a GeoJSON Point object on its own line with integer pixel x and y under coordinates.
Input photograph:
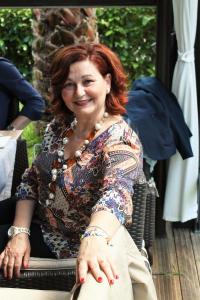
{"type": "Point", "coordinates": [60, 165]}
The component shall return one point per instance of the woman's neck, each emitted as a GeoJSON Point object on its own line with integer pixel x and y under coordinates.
{"type": "Point", "coordinates": [87, 124]}
{"type": "Point", "coordinates": [83, 129]}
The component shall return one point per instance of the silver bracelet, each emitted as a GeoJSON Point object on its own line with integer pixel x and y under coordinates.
{"type": "Point", "coordinates": [95, 232]}
{"type": "Point", "coordinates": [97, 227]}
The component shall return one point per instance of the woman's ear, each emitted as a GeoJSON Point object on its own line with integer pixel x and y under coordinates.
{"type": "Point", "coordinates": [108, 82]}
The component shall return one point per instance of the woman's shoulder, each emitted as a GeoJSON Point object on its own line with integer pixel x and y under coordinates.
{"type": "Point", "coordinates": [121, 132]}
{"type": "Point", "coordinates": [52, 126]}
{"type": "Point", "coordinates": [53, 132]}
{"type": "Point", "coordinates": [123, 139]}
{"type": "Point", "coordinates": [55, 126]}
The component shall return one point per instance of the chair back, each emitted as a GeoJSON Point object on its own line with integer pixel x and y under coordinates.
{"type": "Point", "coordinates": [136, 229]}
{"type": "Point", "coordinates": [21, 163]}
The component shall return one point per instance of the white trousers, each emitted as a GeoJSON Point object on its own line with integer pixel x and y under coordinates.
{"type": "Point", "coordinates": [135, 281]}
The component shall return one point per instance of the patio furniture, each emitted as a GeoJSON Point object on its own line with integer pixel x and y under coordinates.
{"type": "Point", "coordinates": [150, 214]}
{"type": "Point", "coordinates": [21, 163]}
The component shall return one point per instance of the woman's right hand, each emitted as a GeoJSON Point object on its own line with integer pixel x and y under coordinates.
{"type": "Point", "coordinates": [15, 255]}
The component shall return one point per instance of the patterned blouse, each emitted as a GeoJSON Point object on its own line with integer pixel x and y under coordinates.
{"type": "Point", "coordinates": [102, 179]}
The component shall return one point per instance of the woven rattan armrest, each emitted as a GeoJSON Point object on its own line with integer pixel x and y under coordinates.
{"type": "Point", "coordinates": [44, 274]}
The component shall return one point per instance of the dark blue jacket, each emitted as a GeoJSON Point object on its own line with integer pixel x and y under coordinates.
{"type": "Point", "coordinates": [13, 85]}
{"type": "Point", "coordinates": [156, 116]}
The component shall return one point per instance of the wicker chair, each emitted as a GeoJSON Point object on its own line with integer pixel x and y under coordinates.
{"type": "Point", "coordinates": [53, 274]}
{"type": "Point", "coordinates": [21, 163]}
{"type": "Point", "coordinates": [150, 215]}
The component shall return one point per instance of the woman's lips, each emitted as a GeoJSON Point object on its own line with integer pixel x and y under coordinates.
{"type": "Point", "coordinates": [82, 102]}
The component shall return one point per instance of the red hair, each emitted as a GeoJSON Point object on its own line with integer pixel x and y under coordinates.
{"type": "Point", "coordinates": [106, 62]}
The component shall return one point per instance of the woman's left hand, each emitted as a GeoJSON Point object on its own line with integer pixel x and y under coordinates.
{"type": "Point", "coordinates": [94, 257]}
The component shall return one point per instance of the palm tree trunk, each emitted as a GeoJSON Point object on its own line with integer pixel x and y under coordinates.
{"type": "Point", "coordinates": [52, 29]}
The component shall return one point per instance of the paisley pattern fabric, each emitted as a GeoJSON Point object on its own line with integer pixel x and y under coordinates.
{"type": "Point", "coordinates": [103, 179]}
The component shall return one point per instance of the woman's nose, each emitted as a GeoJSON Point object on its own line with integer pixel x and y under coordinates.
{"type": "Point", "coordinates": [80, 91]}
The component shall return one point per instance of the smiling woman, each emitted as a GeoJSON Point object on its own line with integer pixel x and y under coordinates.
{"type": "Point", "coordinates": [80, 187]}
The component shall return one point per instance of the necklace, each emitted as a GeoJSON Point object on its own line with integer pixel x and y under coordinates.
{"type": "Point", "coordinates": [60, 165]}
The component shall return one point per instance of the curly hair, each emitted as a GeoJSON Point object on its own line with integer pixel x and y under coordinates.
{"type": "Point", "coordinates": [106, 62]}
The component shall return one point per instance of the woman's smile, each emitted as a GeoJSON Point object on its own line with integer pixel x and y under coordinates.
{"type": "Point", "coordinates": [83, 102]}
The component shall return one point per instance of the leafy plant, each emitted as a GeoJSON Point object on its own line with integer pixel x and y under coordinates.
{"type": "Point", "coordinates": [32, 138]}
{"type": "Point", "coordinates": [131, 33]}
{"type": "Point", "coordinates": [16, 38]}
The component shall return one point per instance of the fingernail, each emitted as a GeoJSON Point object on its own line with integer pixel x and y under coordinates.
{"type": "Point", "coordinates": [82, 280]}
{"type": "Point", "coordinates": [111, 281]}
{"type": "Point", "coordinates": [100, 279]}
{"type": "Point", "coordinates": [26, 266]}
{"type": "Point", "coordinates": [116, 277]}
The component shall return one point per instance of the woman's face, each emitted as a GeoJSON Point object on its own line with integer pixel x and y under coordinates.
{"type": "Point", "coordinates": [85, 89]}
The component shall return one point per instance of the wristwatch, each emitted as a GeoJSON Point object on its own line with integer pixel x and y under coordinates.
{"type": "Point", "coordinates": [14, 230]}
{"type": "Point", "coordinates": [10, 127]}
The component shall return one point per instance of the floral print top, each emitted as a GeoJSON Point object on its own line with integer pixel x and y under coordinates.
{"type": "Point", "coordinates": [102, 179]}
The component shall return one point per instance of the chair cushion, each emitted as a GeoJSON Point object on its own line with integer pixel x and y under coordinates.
{"type": "Point", "coordinates": [30, 294]}
{"type": "Point", "coordinates": [37, 263]}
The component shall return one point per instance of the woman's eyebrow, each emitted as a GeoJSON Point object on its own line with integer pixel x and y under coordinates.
{"type": "Point", "coordinates": [86, 75]}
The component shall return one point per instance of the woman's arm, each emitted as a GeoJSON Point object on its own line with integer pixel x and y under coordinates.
{"type": "Point", "coordinates": [17, 251]}
{"type": "Point", "coordinates": [24, 213]}
{"type": "Point", "coordinates": [105, 220]}
{"type": "Point", "coordinates": [93, 252]}
{"type": "Point", "coordinates": [122, 167]}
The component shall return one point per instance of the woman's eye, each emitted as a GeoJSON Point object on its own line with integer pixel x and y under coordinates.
{"type": "Point", "coordinates": [88, 82]}
{"type": "Point", "coordinates": [69, 85]}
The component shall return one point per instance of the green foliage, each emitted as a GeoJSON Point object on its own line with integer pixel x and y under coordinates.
{"type": "Point", "coordinates": [16, 38]}
{"type": "Point", "coordinates": [32, 138]}
{"type": "Point", "coordinates": [131, 33]}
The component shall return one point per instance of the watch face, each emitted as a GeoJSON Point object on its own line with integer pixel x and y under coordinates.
{"type": "Point", "coordinates": [10, 231]}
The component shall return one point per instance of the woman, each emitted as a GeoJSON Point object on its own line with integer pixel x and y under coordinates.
{"type": "Point", "coordinates": [81, 184]}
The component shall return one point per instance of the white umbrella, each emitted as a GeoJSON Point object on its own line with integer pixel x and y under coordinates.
{"type": "Point", "coordinates": [181, 190]}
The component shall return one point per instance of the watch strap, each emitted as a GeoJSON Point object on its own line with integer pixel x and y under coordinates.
{"type": "Point", "coordinates": [10, 127]}
{"type": "Point", "coordinates": [14, 230]}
